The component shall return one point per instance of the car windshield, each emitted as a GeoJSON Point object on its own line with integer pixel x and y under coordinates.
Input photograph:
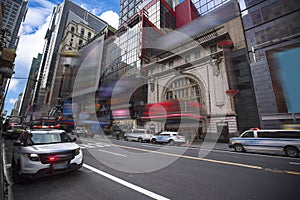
{"type": "Point", "coordinates": [49, 138]}
{"type": "Point", "coordinates": [16, 127]}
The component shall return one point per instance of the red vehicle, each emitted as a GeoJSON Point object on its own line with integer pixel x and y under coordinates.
{"type": "Point", "coordinates": [66, 123]}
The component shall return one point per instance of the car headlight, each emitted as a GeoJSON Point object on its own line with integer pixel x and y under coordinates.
{"type": "Point", "coordinates": [77, 151]}
{"type": "Point", "coordinates": [33, 156]}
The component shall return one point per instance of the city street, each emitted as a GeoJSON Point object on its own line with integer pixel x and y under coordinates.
{"type": "Point", "coordinates": [149, 99]}
{"type": "Point", "coordinates": [222, 174]}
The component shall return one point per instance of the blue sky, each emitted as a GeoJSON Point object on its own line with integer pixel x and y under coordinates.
{"type": "Point", "coordinates": [33, 31]}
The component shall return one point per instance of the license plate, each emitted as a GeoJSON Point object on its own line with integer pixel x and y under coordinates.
{"type": "Point", "coordinates": [62, 165]}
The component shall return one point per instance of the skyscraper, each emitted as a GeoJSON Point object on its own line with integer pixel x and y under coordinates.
{"type": "Point", "coordinates": [14, 13]}
{"type": "Point", "coordinates": [128, 8]}
{"type": "Point", "coordinates": [272, 31]}
{"type": "Point", "coordinates": [17, 106]}
{"type": "Point", "coordinates": [61, 16]}
{"type": "Point", "coordinates": [31, 82]}
{"type": "Point", "coordinates": [206, 6]}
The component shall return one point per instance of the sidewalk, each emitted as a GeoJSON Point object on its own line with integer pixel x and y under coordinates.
{"type": "Point", "coordinates": [3, 179]}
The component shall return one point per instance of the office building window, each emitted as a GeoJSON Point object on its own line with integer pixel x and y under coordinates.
{"type": "Point", "coordinates": [171, 64]}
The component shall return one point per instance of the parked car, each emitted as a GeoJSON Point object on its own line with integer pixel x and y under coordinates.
{"type": "Point", "coordinates": [80, 132]}
{"type": "Point", "coordinates": [168, 137]}
{"type": "Point", "coordinates": [13, 131]}
{"type": "Point", "coordinates": [287, 141]}
{"type": "Point", "coordinates": [44, 152]}
{"type": "Point", "coordinates": [140, 135]}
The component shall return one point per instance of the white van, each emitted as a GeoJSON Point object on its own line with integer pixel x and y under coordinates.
{"type": "Point", "coordinates": [140, 135]}
{"type": "Point", "coordinates": [287, 141]}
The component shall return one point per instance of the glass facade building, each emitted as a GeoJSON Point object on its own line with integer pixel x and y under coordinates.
{"type": "Point", "coordinates": [158, 11]}
{"type": "Point", "coordinates": [121, 54]}
{"type": "Point", "coordinates": [272, 28]}
{"type": "Point", "coordinates": [127, 9]}
{"type": "Point", "coordinates": [125, 52]}
{"type": "Point", "coordinates": [205, 6]}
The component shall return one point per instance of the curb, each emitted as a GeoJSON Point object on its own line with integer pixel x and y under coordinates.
{"type": "Point", "coordinates": [5, 185]}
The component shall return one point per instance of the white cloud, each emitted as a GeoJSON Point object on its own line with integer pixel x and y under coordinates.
{"type": "Point", "coordinates": [94, 7]}
{"type": "Point", "coordinates": [12, 101]}
{"type": "Point", "coordinates": [34, 18]}
{"type": "Point", "coordinates": [29, 46]}
{"type": "Point", "coordinates": [13, 85]}
{"type": "Point", "coordinates": [111, 17]}
{"type": "Point", "coordinates": [33, 33]}
{"type": "Point", "coordinates": [37, 15]}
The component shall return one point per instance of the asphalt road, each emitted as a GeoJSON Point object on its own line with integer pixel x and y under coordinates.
{"type": "Point", "coordinates": [132, 170]}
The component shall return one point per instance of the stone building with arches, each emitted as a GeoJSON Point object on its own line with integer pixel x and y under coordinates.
{"type": "Point", "coordinates": [204, 62]}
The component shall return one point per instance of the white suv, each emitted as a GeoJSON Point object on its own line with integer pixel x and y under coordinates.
{"type": "Point", "coordinates": [44, 152]}
{"type": "Point", "coordinates": [168, 137]}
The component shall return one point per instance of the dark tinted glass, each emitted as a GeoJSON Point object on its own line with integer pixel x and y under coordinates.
{"type": "Point", "coordinates": [279, 134]}
{"type": "Point", "coordinates": [248, 134]}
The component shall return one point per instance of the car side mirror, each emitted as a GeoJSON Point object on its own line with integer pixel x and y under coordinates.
{"type": "Point", "coordinates": [17, 143]}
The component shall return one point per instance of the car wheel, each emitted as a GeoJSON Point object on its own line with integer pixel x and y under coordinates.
{"type": "Point", "coordinates": [153, 141]}
{"type": "Point", "coordinates": [171, 142]}
{"type": "Point", "coordinates": [16, 173]}
{"type": "Point", "coordinates": [140, 140]}
{"type": "Point", "coordinates": [238, 148]}
{"type": "Point", "coordinates": [292, 152]}
{"type": "Point", "coordinates": [125, 138]}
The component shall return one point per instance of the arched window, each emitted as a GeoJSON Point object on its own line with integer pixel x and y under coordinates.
{"type": "Point", "coordinates": [185, 88]}
{"type": "Point", "coordinates": [80, 42]}
{"type": "Point", "coordinates": [89, 35]}
{"type": "Point", "coordinates": [72, 29]}
{"type": "Point", "coordinates": [82, 31]}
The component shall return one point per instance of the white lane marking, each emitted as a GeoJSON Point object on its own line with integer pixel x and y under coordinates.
{"type": "Point", "coordinates": [126, 184]}
{"type": "Point", "coordinates": [113, 153]}
{"type": "Point", "coordinates": [8, 166]}
{"type": "Point", "coordinates": [91, 145]}
{"type": "Point", "coordinates": [87, 146]}
{"type": "Point", "coordinates": [95, 144]}
{"type": "Point", "coordinates": [294, 163]}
